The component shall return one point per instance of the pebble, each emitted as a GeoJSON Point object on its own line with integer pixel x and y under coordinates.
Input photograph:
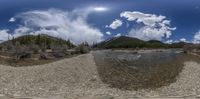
{"type": "Point", "coordinates": [2, 95]}
{"type": "Point", "coordinates": [68, 82]}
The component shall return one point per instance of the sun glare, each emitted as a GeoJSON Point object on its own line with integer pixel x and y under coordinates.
{"type": "Point", "coordinates": [100, 9]}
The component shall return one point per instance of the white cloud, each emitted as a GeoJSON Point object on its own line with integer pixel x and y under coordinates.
{"type": "Point", "coordinates": [154, 27]}
{"type": "Point", "coordinates": [118, 35]}
{"type": "Point", "coordinates": [196, 38]}
{"type": "Point", "coordinates": [4, 35]}
{"type": "Point", "coordinates": [169, 41]}
{"type": "Point", "coordinates": [147, 19]}
{"type": "Point", "coordinates": [183, 40]}
{"type": "Point", "coordinates": [115, 24]}
{"type": "Point", "coordinates": [58, 23]}
{"type": "Point", "coordinates": [176, 41]}
{"type": "Point", "coordinates": [12, 19]}
{"type": "Point", "coordinates": [21, 30]}
{"type": "Point", "coordinates": [149, 33]}
{"type": "Point", "coordinates": [108, 33]}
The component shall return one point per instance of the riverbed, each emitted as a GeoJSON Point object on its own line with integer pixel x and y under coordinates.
{"type": "Point", "coordinates": [131, 71]}
{"type": "Point", "coordinates": [79, 78]}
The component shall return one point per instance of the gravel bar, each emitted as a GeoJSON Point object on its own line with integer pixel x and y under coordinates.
{"type": "Point", "coordinates": [78, 78]}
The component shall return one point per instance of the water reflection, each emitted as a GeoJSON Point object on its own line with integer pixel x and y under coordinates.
{"type": "Point", "coordinates": [126, 70]}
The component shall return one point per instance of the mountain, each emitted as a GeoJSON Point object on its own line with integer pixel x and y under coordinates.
{"type": "Point", "coordinates": [129, 42]}
{"type": "Point", "coordinates": [39, 40]}
{"type": "Point", "coordinates": [156, 44]}
{"type": "Point", "coordinates": [121, 42]}
{"type": "Point", "coordinates": [179, 44]}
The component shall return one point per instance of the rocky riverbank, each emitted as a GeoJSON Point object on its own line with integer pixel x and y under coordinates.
{"type": "Point", "coordinates": [77, 77]}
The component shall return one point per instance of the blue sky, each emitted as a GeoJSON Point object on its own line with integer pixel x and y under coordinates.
{"type": "Point", "coordinates": [184, 15]}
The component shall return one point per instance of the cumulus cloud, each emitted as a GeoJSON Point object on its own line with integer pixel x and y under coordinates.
{"type": "Point", "coordinates": [147, 19]}
{"type": "Point", "coordinates": [118, 35]}
{"type": "Point", "coordinates": [12, 19]}
{"type": "Point", "coordinates": [115, 24]}
{"type": "Point", "coordinates": [108, 33]}
{"type": "Point", "coordinates": [21, 30]}
{"type": "Point", "coordinates": [196, 38]}
{"type": "Point", "coordinates": [62, 24]}
{"type": "Point", "coordinates": [150, 33]}
{"type": "Point", "coordinates": [169, 41]}
{"type": "Point", "coordinates": [184, 40]}
{"type": "Point", "coordinates": [4, 35]}
{"type": "Point", "coordinates": [176, 41]}
{"type": "Point", "coordinates": [153, 27]}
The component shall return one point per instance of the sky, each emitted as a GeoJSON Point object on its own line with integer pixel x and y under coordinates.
{"type": "Point", "coordinates": [97, 20]}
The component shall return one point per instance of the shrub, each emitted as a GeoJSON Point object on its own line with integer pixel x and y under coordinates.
{"type": "Point", "coordinates": [82, 49]}
{"type": "Point", "coordinates": [35, 49]}
{"type": "Point", "coordinates": [190, 48]}
{"type": "Point", "coordinates": [1, 47]}
{"type": "Point", "coordinates": [60, 50]}
{"type": "Point", "coordinates": [57, 48]}
{"type": "Point", "coordinates": [21, 51]}
{"type": "Point", "coordinates": [10, 46]}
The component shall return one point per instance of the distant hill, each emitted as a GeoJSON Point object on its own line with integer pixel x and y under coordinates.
{"type": "Point", "coordinates": [179, 44]}
{"type": "Point", "coordinates": [39, 40]}
{"type": "Point", "coordinates": [121, 42]}
{"type": "Point", "coordinates": [156, 44]}
{"type": "Point", "coordinates": [129, 42]}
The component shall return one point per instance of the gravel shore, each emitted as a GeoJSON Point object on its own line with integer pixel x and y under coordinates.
{"type": "Point", "coordinates": [77, 77]}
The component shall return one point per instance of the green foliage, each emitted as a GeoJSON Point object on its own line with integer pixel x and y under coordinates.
{"type": "Point", "coordinates": [156, 44]}
{"type": "Point", "coordinates": [128, 42]}
{"type": "Point", "coordinates": [42, 41]}
{"type": "Point", "coordinates": [121, 42]}
{"type": "Point", "coordinates": [178, 45]}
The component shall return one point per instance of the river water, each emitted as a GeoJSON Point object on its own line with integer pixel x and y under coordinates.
{"type": "Point", "coordinates": [128, 70]}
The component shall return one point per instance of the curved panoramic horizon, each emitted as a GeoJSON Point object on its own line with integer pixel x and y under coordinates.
{"type": "Point", "coordinates": [99, 49]}
{"type": "Point", "coordinates": [94, 21]}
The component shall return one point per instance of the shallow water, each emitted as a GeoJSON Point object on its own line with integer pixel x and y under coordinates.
{"type": "Point", "coordinates": [140, 60]}
{"type": "Point", "coordinates": [126, 70]}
